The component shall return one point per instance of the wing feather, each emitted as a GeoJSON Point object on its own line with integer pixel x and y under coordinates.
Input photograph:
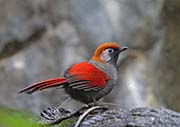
{"type": "Point", "coordinates": [85, 76]}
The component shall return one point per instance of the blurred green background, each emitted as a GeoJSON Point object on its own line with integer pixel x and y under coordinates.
{"type": "Point", "coordinates": [40, 39]}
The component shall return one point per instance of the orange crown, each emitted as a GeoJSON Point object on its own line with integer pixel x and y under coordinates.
{"type": "Point", "coordinates": [101, 48]}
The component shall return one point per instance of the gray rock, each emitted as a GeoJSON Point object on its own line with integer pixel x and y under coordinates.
{"type": "Point", "coordinates": [117, 117]}
{"type": "Point", "coordinates": [19, 26]}
{"type": "Point", "coordinates": [137, 117]}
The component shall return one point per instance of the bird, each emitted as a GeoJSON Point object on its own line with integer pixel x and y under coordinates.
{"type": "Point", "coordinates": [87, 81]}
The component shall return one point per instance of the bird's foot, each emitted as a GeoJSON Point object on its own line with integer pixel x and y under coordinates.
{"type": "Point", "coordinates": [92, 104]}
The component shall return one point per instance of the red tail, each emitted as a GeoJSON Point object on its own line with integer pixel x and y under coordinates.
{"type": "Point", "coordinates": [44, 85]}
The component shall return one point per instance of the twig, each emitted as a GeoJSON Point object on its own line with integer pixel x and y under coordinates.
{"type": "Point", "coordinates": [81, 118]}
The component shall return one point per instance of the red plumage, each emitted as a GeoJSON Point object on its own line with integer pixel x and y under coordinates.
{"type": "Point", "coordinates": [88, 72]}
{"type": "Point", "coordinates": [83, 71]}
{"type": "Point", "coordinates": [44, 85]}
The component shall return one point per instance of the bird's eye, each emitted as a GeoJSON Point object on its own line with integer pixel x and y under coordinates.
{"type": "Point", "coordinates": [110, 50]}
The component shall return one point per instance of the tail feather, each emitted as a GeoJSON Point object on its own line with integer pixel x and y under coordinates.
{"type": "Point", "coordinates": [44, 85]}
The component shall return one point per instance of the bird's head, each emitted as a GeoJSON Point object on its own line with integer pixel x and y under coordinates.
{"type": "Point", "coordinates": [108, 53]}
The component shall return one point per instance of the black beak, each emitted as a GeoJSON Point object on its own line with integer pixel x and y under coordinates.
{"type": "Point", "coordinates": [123, 49]}
{"type": "Point", "coordinates": [116, 54]}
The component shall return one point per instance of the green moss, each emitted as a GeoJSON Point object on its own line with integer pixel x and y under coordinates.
{"type": "Point", "coordinates": [66, 123]}
{"type": "Point", "coordinates": [11, 118]}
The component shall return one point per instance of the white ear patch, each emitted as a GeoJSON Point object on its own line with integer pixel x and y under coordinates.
{"type": "Point", "coordinates": [105, 56]}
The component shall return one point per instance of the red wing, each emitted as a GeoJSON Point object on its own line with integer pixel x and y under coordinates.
{"type": "Point", "coordinates": [85, 76]}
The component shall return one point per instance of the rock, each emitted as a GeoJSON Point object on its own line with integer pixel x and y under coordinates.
{"type": "Point", "coordinates": [119, 117]}
{"type": "Point", "coordinates": [169, 72]}
{"type": "Point", "coordinates": [20, 26]}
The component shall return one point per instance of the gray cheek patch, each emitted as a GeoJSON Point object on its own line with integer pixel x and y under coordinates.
{"type": "Point", "coordinates": [105, 56]}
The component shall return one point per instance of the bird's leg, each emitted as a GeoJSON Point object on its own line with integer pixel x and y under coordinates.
{"type": "Point", "coordinates": [67, 100]}
{"type": "Point", "coordinates": [110, 104]}
{"type": "Point", "coordinates": [94, 103]}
